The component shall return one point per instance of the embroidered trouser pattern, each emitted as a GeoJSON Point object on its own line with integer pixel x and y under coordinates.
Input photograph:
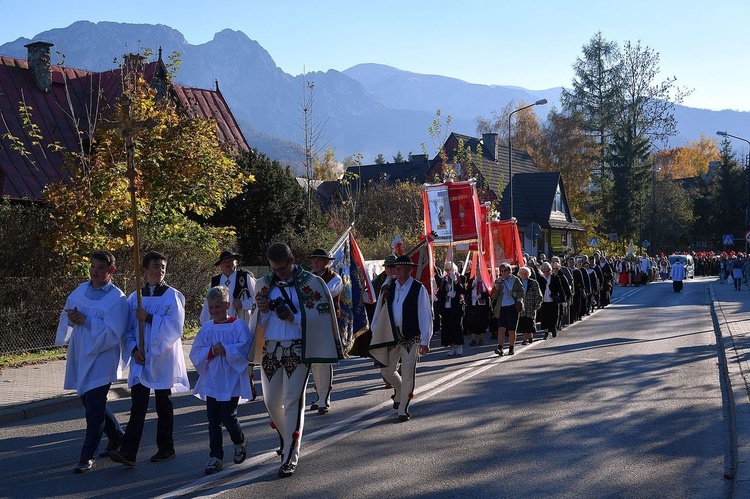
{"type": "Point", "coordinates": [284, 381]}
{"type": "Point", "coordinates": [322, 375]}
{"type": "Point", "coordinates": [404, 383]}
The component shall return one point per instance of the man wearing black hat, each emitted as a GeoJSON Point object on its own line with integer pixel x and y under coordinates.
{"type": "Point", "coordinates": [401, 329]}
{"type": "Point", "coordinates": [241, 285]}
{"type": "Point", "coordinates": [322, 374]}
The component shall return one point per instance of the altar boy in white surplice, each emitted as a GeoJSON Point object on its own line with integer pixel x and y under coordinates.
{"type": "Point", "coordinates": [158, 364]}
{"type": "Point", "coordinates": [94, 319]}
{"type": "Point", "coordinates": [220, 355]}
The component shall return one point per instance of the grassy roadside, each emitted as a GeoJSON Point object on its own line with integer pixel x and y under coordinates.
{"type": "Point", "coordinates": [42, 356]}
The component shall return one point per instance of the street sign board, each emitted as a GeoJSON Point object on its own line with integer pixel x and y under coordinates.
{"type": "Point", "coordinates": [727, 239]}
{"type": "Point", "coordinates": [747, 236]}
{"type": "Point", "coordinates": [594, 242]}
{"type": "Point", "coordinates": [645, 243]}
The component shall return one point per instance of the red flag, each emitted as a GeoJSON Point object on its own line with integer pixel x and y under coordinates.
{"type": "Point", "coordinates": [506, 242]}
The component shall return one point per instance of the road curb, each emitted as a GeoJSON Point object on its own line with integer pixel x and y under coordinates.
{"type": "Point", "coordinates": [739, 404]}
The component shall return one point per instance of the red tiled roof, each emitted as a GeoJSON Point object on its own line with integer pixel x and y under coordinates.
{"type": "Point", "coordinates": [25, 176]}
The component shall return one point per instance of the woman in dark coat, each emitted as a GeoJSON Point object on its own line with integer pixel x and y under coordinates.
{"type": "Point", "coordinates": [477, 316]}
{"type": "Point", "coordinates": [552, 291]}
{"type": "Point", "coordinates": [450, 303]}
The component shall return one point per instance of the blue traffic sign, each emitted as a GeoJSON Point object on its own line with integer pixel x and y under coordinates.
{"type": "Point", "coordinates": [594, 242]}
{"type": "Point", "coordinates": [727, 239]}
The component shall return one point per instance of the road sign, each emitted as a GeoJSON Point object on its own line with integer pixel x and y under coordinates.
{"type": "Point", "coordinates": [645, 243]}
{"type": "Point", "coordinates": [727, 239]}
{"type": "Point", "coordinates": [594, 242]}
{"type": "Point", "coordinates": [747, 236]}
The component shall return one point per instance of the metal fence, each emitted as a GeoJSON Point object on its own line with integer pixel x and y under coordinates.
{"type": "Point", "coordinates": [30, 307]}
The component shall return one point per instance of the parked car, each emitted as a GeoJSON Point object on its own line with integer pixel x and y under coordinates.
{"type": "Point", "coordinates": [687, 261]}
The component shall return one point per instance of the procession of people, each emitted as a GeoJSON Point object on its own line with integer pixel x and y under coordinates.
{"type": "Point", "coordinates": [288, 322]}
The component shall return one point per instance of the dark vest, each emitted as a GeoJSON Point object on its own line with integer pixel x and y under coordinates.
{"type": "Point", "coordinates": [240, 285]}
{"type": "Point", "coordinates": [409, 310]}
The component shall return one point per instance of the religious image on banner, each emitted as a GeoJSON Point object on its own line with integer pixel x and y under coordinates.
{"type": "Point", "coordinates": [349, 264]}
{"type": "Point", "coordinates": [438, 208]}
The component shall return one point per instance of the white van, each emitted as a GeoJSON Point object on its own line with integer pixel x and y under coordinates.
{"type": "Point", "coordinates": [687, 261]}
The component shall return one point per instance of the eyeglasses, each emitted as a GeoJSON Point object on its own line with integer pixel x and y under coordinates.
{"type": "Point", "coordinates": [281, 270]}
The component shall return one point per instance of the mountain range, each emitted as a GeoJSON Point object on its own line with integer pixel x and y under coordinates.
{"type": "Point", "coordinates": [368, 108]}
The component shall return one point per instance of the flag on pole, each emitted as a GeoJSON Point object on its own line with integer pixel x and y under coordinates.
{"type": "Point", "coordinates": [350, 265]}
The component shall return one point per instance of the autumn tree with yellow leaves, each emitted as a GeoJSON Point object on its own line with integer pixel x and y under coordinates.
{"type": "Point", "coordinates": [181, 170]}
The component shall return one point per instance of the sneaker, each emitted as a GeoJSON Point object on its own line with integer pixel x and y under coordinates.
{"type": "Point", "coordinates": [240, 452]}
{"type": "Point", "coordinates": [162, 455]}
{"type": "Point", "coordinates": [213, 466]}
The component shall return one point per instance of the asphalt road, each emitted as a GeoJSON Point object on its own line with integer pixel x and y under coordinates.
{"type": "Point", "coordinates": [626, 403]}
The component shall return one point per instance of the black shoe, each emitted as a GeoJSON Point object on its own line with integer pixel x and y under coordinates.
{"type": "Point", "coordinates": [524, 342]}
{"type": "Point", "coordinates": [114, 443]}
{"type": "Point", "coordinates": [531, 340]}
{"type": "Point", "coordinates": [510, 350]}
{"type": "Point", "coordinates": [396, 405]}
{"type": "Point", "coordinates": [119, 456]}
{"type": "Point", "coordinates": [314, 407]}
{"type": "Point", "coordinates": [546, 335]}
{"type": "Point", "coordinates": [554, 335]}
{"type": "Point", "coordinates": [404, 417]}
{"type": "Point", "coordinates": [162, 455]}
{"type": "Point", "coordinates": [287, 470]}
{"type": "Point", "coordinates": [481, 342]}
{"type": "Point", "coordinates": [499, 351]}
{"type": "Point", "coordinates": [473, 343]}
{"type": "Point", "coordinates": [84, 465]}
{"type": "Point", "coordinates": [323, 410]}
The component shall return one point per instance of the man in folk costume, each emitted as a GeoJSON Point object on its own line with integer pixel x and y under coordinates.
{"type": "Point", "coordinates": [401, 329]}
{"type": "Point", "coordinates": [322, 374]}
{"type": "Point", "coordinates": [158, 364]}
{"type": "Point", "coordinates": [299, 326]}
{"type": "Point", "coordinates": [241, 285]}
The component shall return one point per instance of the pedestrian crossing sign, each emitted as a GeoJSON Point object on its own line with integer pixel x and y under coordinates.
{"type": "Point", "coordinates": [727, 239]}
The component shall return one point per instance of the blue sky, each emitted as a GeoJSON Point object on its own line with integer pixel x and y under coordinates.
{"type": "Point", "coordinates": [533, 45]}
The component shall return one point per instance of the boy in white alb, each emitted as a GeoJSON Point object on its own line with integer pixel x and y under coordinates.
{"type": "Point", "coordinates": [220, 355]}
{"type": "Point", "coordinates": [94, 319]}
{"type": "Point", "coordinates": [158, 364]}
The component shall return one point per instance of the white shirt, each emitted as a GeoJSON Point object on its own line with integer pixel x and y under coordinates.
{"type": "Point", "coordinates": [275, 328]}
{"type": "Point", "coordinates": [247, 301]}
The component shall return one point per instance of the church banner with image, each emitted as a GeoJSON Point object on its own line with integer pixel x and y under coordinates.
{"type": "Point", "coordinates": [452, 212]}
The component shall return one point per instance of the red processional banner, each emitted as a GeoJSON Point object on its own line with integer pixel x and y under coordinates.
{"type": "Point", "coordinates": [506, 242]}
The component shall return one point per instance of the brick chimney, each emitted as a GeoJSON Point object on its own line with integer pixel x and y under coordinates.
{"type": "Point", "coordinates": [38, 59]}
{"type": "Point", "coordinates": [489, 144]}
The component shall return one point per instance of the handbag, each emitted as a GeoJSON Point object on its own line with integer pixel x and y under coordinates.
{"type": "Point", "coordinates": [519, 306]}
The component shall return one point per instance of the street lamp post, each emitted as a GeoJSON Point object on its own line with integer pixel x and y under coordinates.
{"type": "Point", "coordinates": [510, 150]}
{"type": "Point", "coordinates": [747, 172]}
